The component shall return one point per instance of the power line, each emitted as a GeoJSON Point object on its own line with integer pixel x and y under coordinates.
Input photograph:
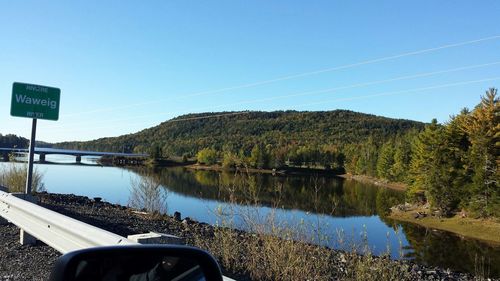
{"type": "Point", "coordinates": [323, 91]}
{"type": "Point", "coordinates": [293, 76]}
{"type": "Point", "coordinates": [170, 121]}
{"type": "Point", "coordinates": [403, 91]}
{"type": "Point", "coordinates": [415, 90]}
{"type": "Point", "coordinates": [330, 90]}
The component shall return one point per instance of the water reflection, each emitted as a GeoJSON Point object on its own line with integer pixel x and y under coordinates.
{"type": "Point", "coordinates": [439, 248]}
{"type": "Point", "coordinates": [323, 195]}
{"type": "Point", "coordinates": [330, 203]}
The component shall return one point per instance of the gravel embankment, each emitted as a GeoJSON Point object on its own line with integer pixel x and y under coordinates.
{"type": "Point", "coordinates": [34, 262]}
{"type": "Point", "coordinates": [19, 262]}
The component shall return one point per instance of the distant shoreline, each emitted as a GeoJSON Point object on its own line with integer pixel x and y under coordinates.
{"type": "Point", "coordinates": [379, 182]}
{"type": "Point", "coordinates": [305, 171]}
{"type": "Point", "coordinates": [287, 171]}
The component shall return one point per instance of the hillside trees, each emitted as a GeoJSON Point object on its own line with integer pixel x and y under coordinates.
{"type": "Point", "coordinates": [385, 160]}
{"type": "Point", "coordinates": [402, 157]}
{"type": "Point", "coordinates": [279, 129]}
{"type": "Point", "coordinates": [259, 157]}
{"type": "Point", "coordinates": [207, 156]}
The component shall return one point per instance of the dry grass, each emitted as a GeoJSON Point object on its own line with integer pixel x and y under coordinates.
{"type": "Point", "coordinates": [147, 194]}
{"type": "Point", "coordinates": [274, 252]}
{"type": "Point", "coordinates": [13, 176]}
{"type": "Point", "coordinates": [268, 257]}
{"type": "Point", "coordinates": [269, 250]}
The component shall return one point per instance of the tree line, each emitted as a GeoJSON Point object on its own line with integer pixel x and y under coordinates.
{"type": "Point", "coordinates": [11, 141]}
{"type": "Point", "coordinates": [275, 157]}
{"type": "Point", "coordinates": [453, 166]}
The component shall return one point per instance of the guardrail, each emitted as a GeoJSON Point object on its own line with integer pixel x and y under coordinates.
{"type": "Point", "coordinates": [60, 232]}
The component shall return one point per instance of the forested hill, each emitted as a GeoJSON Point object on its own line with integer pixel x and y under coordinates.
{"type": "Point", "coordinates": [240, 131]}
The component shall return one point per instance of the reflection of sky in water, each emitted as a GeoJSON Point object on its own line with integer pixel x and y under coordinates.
{"type": "Point", "coordinates": [114, 184]}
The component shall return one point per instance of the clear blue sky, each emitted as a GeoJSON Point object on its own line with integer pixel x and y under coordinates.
{"type": "Point", "coordinates": [124, 66]}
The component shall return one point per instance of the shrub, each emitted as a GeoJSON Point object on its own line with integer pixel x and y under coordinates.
{"type": "Point", "coordinates": [13, 176]}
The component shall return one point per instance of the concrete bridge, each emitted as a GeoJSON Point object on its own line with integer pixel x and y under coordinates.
{"type": "Point", "coordinates": [42, 152]}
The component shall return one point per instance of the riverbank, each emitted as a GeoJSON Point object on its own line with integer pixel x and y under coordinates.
{"type": "Point", "coordinates": [295, 171]}
{"type": "Point", "coordinates": [487, 230]}
{"type": "Point", "coordinates": [219, 168]}
{"type": "Point", "coordinates": [298, 171]}
{"type": "Point", "coordinates": [376, 181]}
{"type": "Point", "coordinates": [275, 256]}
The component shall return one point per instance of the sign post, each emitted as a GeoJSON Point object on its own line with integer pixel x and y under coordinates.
{"type": "Point", "coordinates": [29, 177]}
{"type": "Point", "coordinates": [36, 102]}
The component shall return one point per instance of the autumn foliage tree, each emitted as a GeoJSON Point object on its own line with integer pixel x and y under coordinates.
{"type": "Point", "coordinates": [456, 164]}
{"type": "Point", "coordinates": [483, 130]}
{"type": "Point", "coordinates": [207, 156]}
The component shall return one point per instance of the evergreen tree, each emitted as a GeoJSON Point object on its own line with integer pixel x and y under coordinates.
{"type": "Point", "coordinates": [385, 160]}
{"type": "Point", "coordinates": [483, 129]}
{"type": "Point", "coordinates": [258, 157]}
{"type": "Point", "coordinates": [402, 159]}
{"type": "Point", "coordinates": [437, 166]}
{"type": "Point", "coordinates": [423, 158]}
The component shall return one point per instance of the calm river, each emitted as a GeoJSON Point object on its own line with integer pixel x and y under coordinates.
{"type": "Point", "coordinates": [324, 210]}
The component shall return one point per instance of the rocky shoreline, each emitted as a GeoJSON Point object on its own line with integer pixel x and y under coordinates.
{"type": "Point", "coordinates": [378, 182]}
{"type": "Point", "coordinates": [34, 262]}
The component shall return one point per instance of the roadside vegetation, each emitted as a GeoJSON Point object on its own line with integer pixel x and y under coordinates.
{"type": "Point", "coordinates": [272, 250]}
{"type": "Point", "coordinates": [14, 178]}
{"type": "Point", "coordinates": [274, 254]}
{"type": "Point", "coordinates": [148, 195]}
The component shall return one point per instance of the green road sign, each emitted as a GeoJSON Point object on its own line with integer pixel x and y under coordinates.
{"type": "Point", "coordinates": [35, 101]}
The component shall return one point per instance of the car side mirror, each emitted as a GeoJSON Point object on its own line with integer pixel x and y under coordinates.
{"type": "Point", "coordinates": [136, 263]}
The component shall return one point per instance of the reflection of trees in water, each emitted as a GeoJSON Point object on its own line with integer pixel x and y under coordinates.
{"type": "Point", "coordinates": [318, 194]}
{"type": "Point", "coordinates": [148, 194]}
{"type": "Point", "coordinates": [441, 248]}
{"type": "Point", "coordinates": [321, 195]}
{"type": "Point", "coordinates": [386, 199]}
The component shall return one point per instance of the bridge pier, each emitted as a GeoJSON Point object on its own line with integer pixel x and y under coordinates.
{"type": "Point", "coordinates": [41, 158]}
{"type": "Point", "coordinates": [78, 159]}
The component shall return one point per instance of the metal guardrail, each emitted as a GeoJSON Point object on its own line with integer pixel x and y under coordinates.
{"type": "Point", "coordinates": [58, 231]}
